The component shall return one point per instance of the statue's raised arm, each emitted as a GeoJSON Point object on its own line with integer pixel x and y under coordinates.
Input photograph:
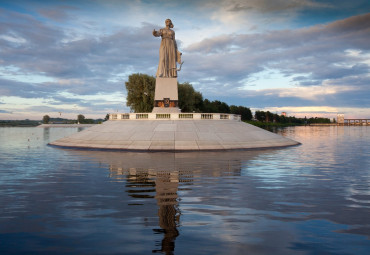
{"type": "Point", "coordinates": [168, 53]}
{"type": "Point", "coordinates": [156, 33]}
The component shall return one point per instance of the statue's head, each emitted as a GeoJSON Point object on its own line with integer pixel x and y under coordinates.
{"type": "Point", "coordinates": [169, 23]}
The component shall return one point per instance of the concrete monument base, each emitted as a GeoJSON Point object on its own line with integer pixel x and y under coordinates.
{"type": "Point", "coordinates": [166, 95]}
{"type": "Point", "coordinates": [174, 135]}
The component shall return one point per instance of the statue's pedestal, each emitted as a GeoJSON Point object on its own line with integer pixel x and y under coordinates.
{"type": "Point", "coordinates": [166, 95]}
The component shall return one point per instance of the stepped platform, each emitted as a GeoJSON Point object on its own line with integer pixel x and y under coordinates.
{"type": "Point", "coordinates": [174, 132]}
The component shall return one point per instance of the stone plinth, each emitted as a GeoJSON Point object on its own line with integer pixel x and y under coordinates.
{"type": "Point", "coordinates": [166, 95]}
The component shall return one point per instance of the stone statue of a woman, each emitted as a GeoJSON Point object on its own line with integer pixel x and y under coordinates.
{"type": "Point", "coordinates": [168, 53]}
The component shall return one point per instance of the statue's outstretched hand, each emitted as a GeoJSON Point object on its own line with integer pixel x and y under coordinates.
{"type": "Point", "coordinates": [154, 32]}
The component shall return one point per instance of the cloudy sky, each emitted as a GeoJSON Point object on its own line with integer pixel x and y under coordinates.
{"type": "Point", "coordinates": [304, 57]}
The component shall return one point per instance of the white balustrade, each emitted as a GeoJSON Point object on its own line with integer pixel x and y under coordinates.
{"type": "Point", "coordinates": [173, 116]}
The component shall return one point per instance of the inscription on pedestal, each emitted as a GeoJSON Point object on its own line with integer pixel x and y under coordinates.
{"type": "Point", "coordinates": [166, 102]}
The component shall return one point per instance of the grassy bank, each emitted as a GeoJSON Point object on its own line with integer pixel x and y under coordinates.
{"type": "Point", "coordinates": [19, 123]}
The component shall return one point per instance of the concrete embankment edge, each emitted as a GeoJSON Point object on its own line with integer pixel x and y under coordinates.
{"type": "Point", "coordinates": [174, 135]}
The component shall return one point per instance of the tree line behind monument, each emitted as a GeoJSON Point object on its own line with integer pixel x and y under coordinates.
{"type": "Point", "coordinates": [140, 98]}
{"type": "Point", "coordinates": [80, 119]}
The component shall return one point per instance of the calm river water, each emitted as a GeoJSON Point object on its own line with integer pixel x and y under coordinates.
{"type": "Point", "coordinates": [308, 199]}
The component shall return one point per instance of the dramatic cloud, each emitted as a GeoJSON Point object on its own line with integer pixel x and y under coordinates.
{"type": "Point", "coordinates": [58, 14]}
{"type": "Point", "coordinates": [270, 6]}
{"type": "Point", "coordinates": [66, 59]}
{"type": "Point", "coordinates": [318, 56]}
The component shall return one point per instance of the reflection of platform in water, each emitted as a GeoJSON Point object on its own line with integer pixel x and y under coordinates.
{"type": "Point", "coordinates": [183, 166]}
{"type": "Point", "coordinates": [159, 176]}
{"type": "Point", "coordinates": [186, 164]}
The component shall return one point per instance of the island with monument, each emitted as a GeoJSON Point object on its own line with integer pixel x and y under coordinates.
{"type": "Point", "coordinates": [166, 128]}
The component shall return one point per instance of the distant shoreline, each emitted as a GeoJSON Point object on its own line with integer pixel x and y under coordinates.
{"type": "Point", "coordinates": [65, 125]}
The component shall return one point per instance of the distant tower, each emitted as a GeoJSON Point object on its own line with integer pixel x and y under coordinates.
{"type": "Point", "coordinates": [340, 119]}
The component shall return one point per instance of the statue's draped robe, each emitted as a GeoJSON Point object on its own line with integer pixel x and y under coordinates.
{"type": "Point", "coordinates": [167, 53]}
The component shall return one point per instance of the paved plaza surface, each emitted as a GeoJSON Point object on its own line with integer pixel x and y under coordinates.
{"type": "Point", "coordinates": [174, 135]}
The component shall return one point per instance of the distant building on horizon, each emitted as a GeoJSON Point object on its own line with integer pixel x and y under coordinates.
{"type": "Point", "coordinates": [340, 118]}
{"type": "Point", "coordinates": [283, 114]}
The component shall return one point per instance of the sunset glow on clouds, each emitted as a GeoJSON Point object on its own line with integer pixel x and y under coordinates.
{"type": "Point", "coordinates": [304, 57]}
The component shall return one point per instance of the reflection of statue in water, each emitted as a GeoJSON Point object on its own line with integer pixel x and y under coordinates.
{"type": "Point", "coordinates": [168, 53]}
{"type": "Point", "coordinates": [166, 185]}
{"type": "Point", "coordinates": [169, 216]}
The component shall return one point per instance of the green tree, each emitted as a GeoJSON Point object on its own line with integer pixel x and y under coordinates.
{"type": "Point", "coordinates": [222, 107]}
{"type": "Point", "coordinates": [283, 119]}
{"type": "Point", "coordinates": [269, 117]}
{"type": "Point", "coordinates": [80, 118]}
{"type": "Point", "coordinates": [207, 106]}
{"type": "Point", "coordinates": [292, 119]}
{"type": "Point", "coordinates": [198, 101]}
{"type": "Point", "coordinates": [189, 99]}
{"type": "Point", "coordinates": [140, 98]}
{"type": "Point", "coordinates": [88, 121]}
{"type": "Point", "coordinates": [318, 120]}
{"type": "Point", "coordinates": [106, 117]}
{"type": "Point", "coordinates": [246, 113]}
{"type": "Point", "coordinates": [46, 119]}
{"type": "Point", "coordinates": [260, 115]}
{"type": "Point", "coordinates": [140, 92]}
{"type": "Point", "coordinates": [277, 118]}
{"type": "Point", "coordinates": [215, 106]}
